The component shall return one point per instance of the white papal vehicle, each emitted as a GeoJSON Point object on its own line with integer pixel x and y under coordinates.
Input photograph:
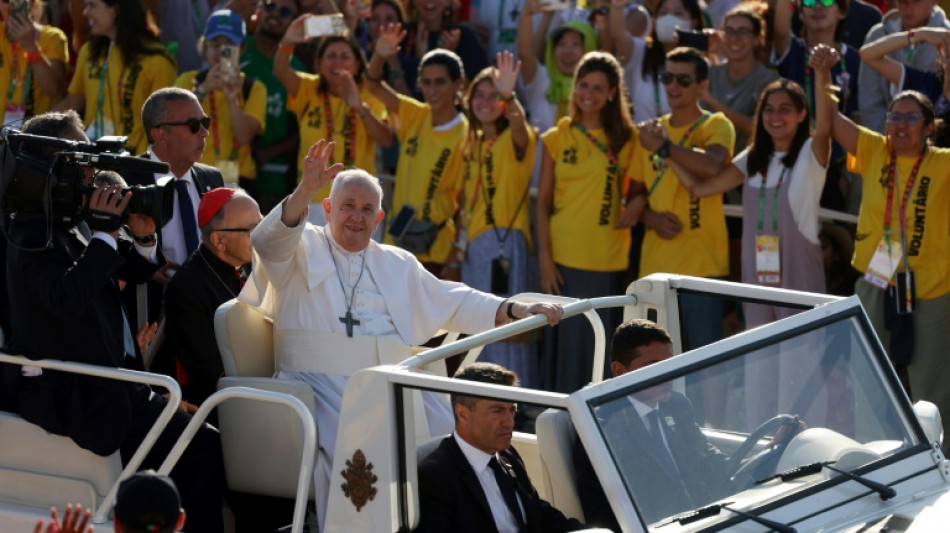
{"type": "Point", "coordinates": [834, 445]}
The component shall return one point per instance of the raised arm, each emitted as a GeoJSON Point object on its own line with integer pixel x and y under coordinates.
{"type": "Point", "coordinates": [827, 116]}
{"type": "Point", "coordinates": [782, 27]}
{"type": "Point", "coordinates": [874, 54]}
{"type": "Point", "coordinates": [505, 76]}
{"type": "Point", "coordinates": [50, 74]}
{"type": "Point", "coordinates": [282, 69]}
{"type": "Point", "coordinates": [316, 174]}
{"type": "Point", "coordinates": [619, 36]}
{"type": "Point", "coordinates": [525, 39]}
{"type": "Point", "coordinates": [387, 45]}
{"type": "Point", "coordinates": [377, 129]}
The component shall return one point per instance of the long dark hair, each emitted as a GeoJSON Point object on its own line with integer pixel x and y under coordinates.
{"type": "Point", "coordinates": [136, 33]}
{"type": "Point", "coordinates": [761, 148]}
{"type": "Point", "coordinates": [926, 109]}
{"type": "Point", "coordinates": [655, 57]}
{"type": "Point", "coordinates": [474, 125]}
{"type": "Point", "coordinates": [357, 53]}
{"type": "Point", "coordinates": [615, 116]}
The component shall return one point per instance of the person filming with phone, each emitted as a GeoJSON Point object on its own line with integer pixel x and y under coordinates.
{"type": "Point", "coordinates": [237, 104]}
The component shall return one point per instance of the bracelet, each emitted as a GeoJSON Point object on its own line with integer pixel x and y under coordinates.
{"type": "Point", "coordinates": [910, 38]}
{"type": "Point", "coordinates": [664, 149]}
{"type": "Point", "coordinates": [508, 98]}
{"type": "Point", "coordinates": [511, 315]}
{"type": "Point", "coordinates": [34, 57]}
{"type": "Point", "coordinates": [287, 48]}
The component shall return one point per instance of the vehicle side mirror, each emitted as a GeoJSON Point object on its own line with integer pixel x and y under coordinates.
{"type": "Point", "coordinates": [929, 417]}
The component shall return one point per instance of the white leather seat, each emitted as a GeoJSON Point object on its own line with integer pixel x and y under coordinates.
{"type": "Point", "coordinates": [556, 439]}
{"type": "Point", "coordinates": [262, 442]}
{"type": "Point", "coordinates": [41, 469]}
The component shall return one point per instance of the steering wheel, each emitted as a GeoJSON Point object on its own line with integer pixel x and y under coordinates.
{"type": "Point", "coordinates": [736, 464]}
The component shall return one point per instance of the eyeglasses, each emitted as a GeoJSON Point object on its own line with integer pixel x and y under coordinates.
{"type": "Point", "coordinates": [812, 3]}
{"type": "Point", "coordinates": [910, 118]}
{"type": "Point", "coordinates": [194, 124]}
{"type": "Point", "coordinates": [248, 229]}
{"type": "Point", "coordinates": [741, 33]}
{"type": "Point", "coordinates": [684, 80]}
{"type": "Point", "coordinates": [284, 12]}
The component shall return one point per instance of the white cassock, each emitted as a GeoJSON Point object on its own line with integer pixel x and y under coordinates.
{"type": "Point", "coordinates": [398, 304]}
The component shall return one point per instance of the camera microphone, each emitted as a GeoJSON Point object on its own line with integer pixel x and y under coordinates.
{"type": "Point", "coordinates": [117, 162]}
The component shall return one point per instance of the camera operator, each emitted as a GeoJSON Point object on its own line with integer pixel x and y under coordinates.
{"type": "Point", "coordinates": [65, 304]}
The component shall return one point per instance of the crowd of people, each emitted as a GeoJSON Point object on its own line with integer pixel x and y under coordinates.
{"type": "Point", "coordinates": [631, 121]}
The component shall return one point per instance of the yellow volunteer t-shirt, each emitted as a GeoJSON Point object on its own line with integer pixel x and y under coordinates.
{"type": "Point", "coordinates": [309, 104]}
{"type": "Point", "coordinates": [125, 87]}
{"type": "Point", "coordinates": [927, 213]}
{"type": "Point", "coordinates": [702, 247]}
{"type": "Point", "coordinates": [429, 172]}
{"type": "Point", "coordinates": [587, 199]}
{"type": "Point", "coordinates": [220, 143]}
{"type": "Point", "coordinates": [52, 42]}
{"type": "Point", "coordinates": [493, 175]}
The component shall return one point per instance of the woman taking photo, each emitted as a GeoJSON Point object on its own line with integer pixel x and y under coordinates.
{"type": "Point", "coordinates": [582, 245]}
{"type": "Point", "coordinates": [431, 135]}
{"type": "Point", "coordinates": [33, 61]}
{"type": "Point", "coordinates": [902, 248]}
{"type": "Point", "coordinates": [331, 104]}
{"type": "Point", "coordinates": [117, 69]}
{"type": "Point", "coordinates": [783, 173]}
{"type": "Point", "coordinates": [493, 229]}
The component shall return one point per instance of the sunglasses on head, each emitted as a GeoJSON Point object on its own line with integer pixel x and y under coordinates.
{"type": "Point", "coordinates": [284, 12]}
{"type": "Point", "coordinates": [194, 124]}
{"type": "Point", "coordinates": [812, 3]}
{"type": "Point", "coordinates": [910, 118]}
{"type": "Point", "coordinates": [684, 80]}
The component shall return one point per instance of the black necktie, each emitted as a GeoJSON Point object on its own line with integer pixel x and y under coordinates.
{"type": "Point", "coordinates": [187, 210]}
{"type": "Point", "coordinates": [507, 486]}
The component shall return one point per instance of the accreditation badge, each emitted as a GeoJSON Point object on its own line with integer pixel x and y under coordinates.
{"type": "Point", "coordinates": [229, 170]}
{"type": "Point", "coordinates": [768, 267]}
{"type": "Point", "coordinates": [884, 263]}
{"type": "Point", "coordinates": [14, 113]}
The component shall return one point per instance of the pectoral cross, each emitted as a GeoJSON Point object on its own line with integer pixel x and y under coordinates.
{"type": "Point", "coordinates": [350, 322]}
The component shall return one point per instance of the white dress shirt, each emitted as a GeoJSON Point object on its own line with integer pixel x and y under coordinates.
{"type": "Point", "coordinates": [173, 233]}
{"type": "Point", "coordinates": [504, 520]}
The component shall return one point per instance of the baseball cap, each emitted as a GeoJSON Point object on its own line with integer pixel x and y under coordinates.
{"type": "Point", "coordinates": [227, 23]}
{"type": "Point", "coordinates": [148, 502]}
{"type": "Point", "coordinates": [211, 203]}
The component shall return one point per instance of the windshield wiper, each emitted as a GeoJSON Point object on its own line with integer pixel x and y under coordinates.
{"type": "Point", "coordinates": [886, 492]}
{"type": "Point", "coordinates": [713, 510]}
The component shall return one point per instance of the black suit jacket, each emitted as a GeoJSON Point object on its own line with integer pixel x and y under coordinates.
{"type": "Point", "coordinates": [65, 304]}
{"type": "Point", "coordinates": [451, 498]}
{"type": "Point", "coordinates": [702, 467]}
{"type": "Point", "coordinates": [206, 178]}
{"type": "Point", "coordinates": [191, 298]}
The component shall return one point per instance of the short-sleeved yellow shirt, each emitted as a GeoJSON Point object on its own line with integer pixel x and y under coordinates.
{"type": "Point", "coordinates": [124, 89]}
{"type": "Point", "coordinates": [702, 247]}
{"type": "Point", "coordinates": [347, 130]}
{"type": "Point", "coordinates": [52, 42]}
{"type": "Point", "coordinates": [429, 171]}
{"type": "Point", "coordinates": [588, 194]}
{"type": "Point", "coordinates": [220, 143]}
{"type": "Point", "coordinates": [493, 175]}
{"type": "Point", "coordinates": [927, 212]}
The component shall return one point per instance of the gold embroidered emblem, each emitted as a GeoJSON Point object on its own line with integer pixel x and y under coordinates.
{"type": "Point", "coordinates": [359, 480]}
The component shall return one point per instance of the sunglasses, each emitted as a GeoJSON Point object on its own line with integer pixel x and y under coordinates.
{"type": "Point", "coordinates": [910, 118]}
{"type": "Point", "coordinates": [684, 80]}
{"type": "Point", "coordinates": [284, 12]}
{"type": "Point", "coordinates": [812, 3]}
{"type": "Point", "coordinates": [194, 124]}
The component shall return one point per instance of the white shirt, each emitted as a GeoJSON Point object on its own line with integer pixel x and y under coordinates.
{"type": "Point", "coordinates": [504, 520]}
{"type": "Point", "coordinates": [173, 233]}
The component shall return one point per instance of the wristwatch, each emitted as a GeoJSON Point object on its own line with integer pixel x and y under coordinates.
{"type": "Point", "coordinates": [664, 149]}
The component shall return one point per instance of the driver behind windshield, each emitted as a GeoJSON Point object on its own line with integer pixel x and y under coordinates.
{"type": "Point", "coordinates": [675, 467]}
